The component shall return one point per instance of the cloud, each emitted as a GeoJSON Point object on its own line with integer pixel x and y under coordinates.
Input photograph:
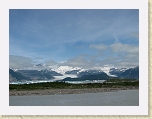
{"type": "Point", "coordinates": [134, 34]}
{"type": "Point", "coordinates": [39, 58]}
{"type": "Point", "coordinates": [127, 48]}
{"type": "Point", "coordinates": [50, 62]}
{"type": "Point", "coordinates": [79, 61]}
{"type": "Point", "coordinates": [126, 64]}
{"type": "Point", "coordinates": [117, 54]}
{"type": "Point", "coordinates": [19, 62]}
{"type": "Point", "coordinates": [116, 39]}
{"type": "Point", "coordinates": [98, 47]}
{"type": "Point", "coordinates": [120, 61]}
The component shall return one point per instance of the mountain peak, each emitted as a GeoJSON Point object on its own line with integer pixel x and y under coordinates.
{"type": "Point", "coordinates": [39, 65]}
{"type": "Point", "coordinates": [63, 69]}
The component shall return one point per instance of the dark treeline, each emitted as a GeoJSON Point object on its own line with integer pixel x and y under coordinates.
{"type": "Point", "coordinates": [111, 83]}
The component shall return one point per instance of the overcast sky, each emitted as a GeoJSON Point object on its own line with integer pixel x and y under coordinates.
{"type": "Point", "coordinates": [84, 38]}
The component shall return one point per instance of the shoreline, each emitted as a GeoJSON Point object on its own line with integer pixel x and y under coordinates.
{"type": "Point", "coordinates": [67, 91]}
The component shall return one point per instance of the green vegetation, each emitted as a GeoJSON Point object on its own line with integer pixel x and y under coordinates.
{"type": "Point", "coordinates": [121, 83]}
{"type": "Point", "coordinates": [111, 83]}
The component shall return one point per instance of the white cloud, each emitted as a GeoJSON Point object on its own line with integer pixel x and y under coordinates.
{"type": "Point", "coordinates": [116, 39]}
{"type": "Point", "coordinates": [126, 64]}
{"type": "Point", "coordinates": [50, 62]}
{"type": "Point", "coordinates": [134, 34]}
{"type": "Point", "coordinates": [121, 55]}
{"type": "Point", "coordinates": [79, 61]}
{"type": "Point", "coordinates": [117, 54]}
{"type": "Point", "coordinates": [19, 62]}
{"type": "Point", "coordinates": [119, 47]}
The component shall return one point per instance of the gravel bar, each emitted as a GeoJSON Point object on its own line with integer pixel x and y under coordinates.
{"type": "Point", "coordinates": [66, 91]}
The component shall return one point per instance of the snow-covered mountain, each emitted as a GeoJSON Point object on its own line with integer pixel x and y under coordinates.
{"type": "Point", "coordinates": [81, 71]}
{"type": "Point", "coordinates": [109, 70]}
{"type": "Point", "coordinates": [116, 71]}
{"type": "Point", "coordinates": [126, 72]}
{"type": "Point", "coordinates": [62, 72]}
{"type": "Point", "coordinates": [64, 69]}
{"type": "Point", "coordinates": [131, 73]}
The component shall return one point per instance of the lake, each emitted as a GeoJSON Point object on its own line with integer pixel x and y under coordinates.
{"type": "Point", "coordinates": [114, 98]}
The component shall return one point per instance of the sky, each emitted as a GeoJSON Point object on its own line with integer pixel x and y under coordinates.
{"type": "Point", "coordinates": [74, 37]}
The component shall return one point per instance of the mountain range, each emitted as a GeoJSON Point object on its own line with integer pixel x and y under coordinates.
{"type": "Point", "coordinates": [67, 73]}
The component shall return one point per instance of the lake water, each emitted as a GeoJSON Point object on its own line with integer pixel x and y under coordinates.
{"type": "Point", "coordinates": [118, 98]}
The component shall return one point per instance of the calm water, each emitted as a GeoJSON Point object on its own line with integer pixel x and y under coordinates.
{"type": "Point", "coordinates": [119, 98]}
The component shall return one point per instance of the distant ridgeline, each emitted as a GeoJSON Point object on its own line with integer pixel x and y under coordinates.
{"type": "Point", "coordinates": [128, 73]}
{"type": "Point", "coordinates": [31, 75]}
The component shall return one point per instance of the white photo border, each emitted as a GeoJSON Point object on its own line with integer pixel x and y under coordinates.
{"type": "Point", "coordinates": [142, 5]}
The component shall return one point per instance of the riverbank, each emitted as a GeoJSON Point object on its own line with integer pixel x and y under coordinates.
{"type": "Point", "coordinates": [67, 91]}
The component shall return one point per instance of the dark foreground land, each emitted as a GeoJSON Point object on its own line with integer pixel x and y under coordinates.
{"type": "Point", "coordinates": [56, 88]}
